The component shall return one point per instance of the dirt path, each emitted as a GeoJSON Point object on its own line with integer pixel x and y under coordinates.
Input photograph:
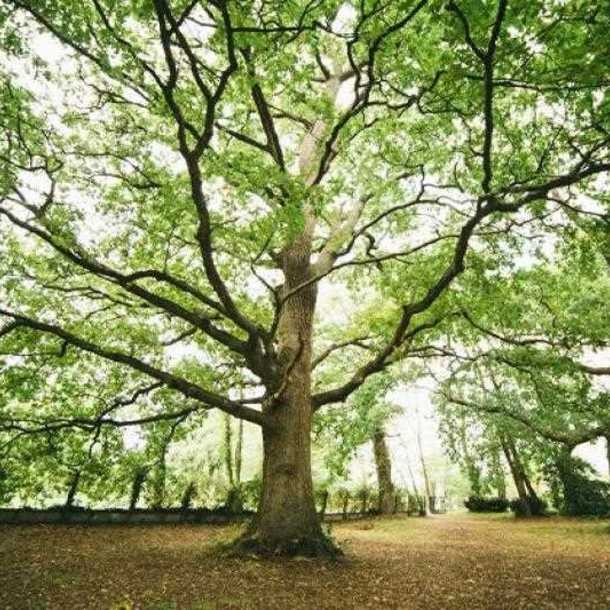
{"type": "Point", "coordinates": [448, 562]}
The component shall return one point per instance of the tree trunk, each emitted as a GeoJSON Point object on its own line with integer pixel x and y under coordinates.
{"type": "Point", "coordinates": [323, 503]}
{"type": "Point", "coordinates": [528, 484]}
{"type": "Point", "coordinates": [228, 449]}
{"type": "Point", "coordinates": [526, 492]}
{"type": "Point", "coordinates": [287, 522]}
{"type": "Point", "coordinates": [412, 477]}
{"type": "Point", "coordinates": [608, 452]}
{"type": "Point", "coordinates": [136, 488]}
{"type": "Point", "coordinates": [473, 470]}
{"type": "Point", "coordinates": [233, 462]}
{"type": "Point", "coordinates": [383, 464]}
{"type": "Point", "coordinates": [514, 470]}
{"type": "Point", "coordinates": [531, 492]}
{"type": "Point", "coordinates": [416, 496]}
{"type": "Point", "coordinates": [74, 481]}
{"type": "Point", "coordinates": [238, 452]}
{"type": "Point", "coordinates": [158, 482]}
{"type": "Point", "coordinates": [345, 504]}
{"type": "Point", "coordinates": [188, 496]}
{"type": "Point", "coordinates": [427, 488]}
{"type": "Point", "coordinates": [498, 474]}
{"type": "Point", "coordinates": [287, 516]}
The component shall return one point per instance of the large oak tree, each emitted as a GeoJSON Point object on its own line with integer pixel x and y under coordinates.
{"type": "Point", "coordinates": [189, 174]}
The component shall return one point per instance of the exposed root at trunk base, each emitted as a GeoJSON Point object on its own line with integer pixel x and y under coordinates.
{"type": "Point", "coordinates": [314, 546]}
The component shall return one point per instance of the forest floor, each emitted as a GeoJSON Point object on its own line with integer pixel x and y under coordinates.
{"type": "Point", "coordinates": [456, 561]}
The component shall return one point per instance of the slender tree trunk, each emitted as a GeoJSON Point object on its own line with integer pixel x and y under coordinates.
{"type": "Point", "coordinates": [232, 460]}
{"type": "Point", "coordinates": [228, 449]}
{"type": "Point", "coordinates": [427, 488]}
{"type": "Point", "coordinates": [363, 495]}
{"type": "Point", "coordinates": [188, 495]}
{"type": "Point", "coordinates": [473, 471]}
{"type": "Point", "coordinates": [498, 474]}
{"type": "Point", "coordinates": [521, 491]}
{"type": "Point", "coordinates": [521, 480]}
{"type": "Point", "coordinates": [608, 452]}
{"type": "Point", "coordinates": [158, 495]}
{"type": "Point", "coordinates": [412, 477]}
{"type": "Point", "coordinates": [528, 484]}
{"type": "Point", "coordinates": [238, 452]}
{"type": "Point", "coordinates": [416, 494]}
{"type": "Point", "coordinates": [531, 492]}
{"type": "Point", "coordinates": [74, 481]}
{"type": "Point", "coordinates": [136, 488]}
{"type": "Point", "coordinates": [345, 504]}
{"type": "Point", "coordinates": [323, 503]}
{"type": "Point", "coordinates": [383, 465]}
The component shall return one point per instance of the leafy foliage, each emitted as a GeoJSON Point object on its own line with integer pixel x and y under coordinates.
{"type": "Point", "coordinates": [576, 491]}
{"type": "Point", "coordinates": [526, 507]}
{"type": "Point", "coordinates": [477, 504]}
{"type": "Point", "coordinates": [180, 182]}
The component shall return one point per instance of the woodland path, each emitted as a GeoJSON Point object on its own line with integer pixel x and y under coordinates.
{"type": "Point", "coordinates": [455, 561]}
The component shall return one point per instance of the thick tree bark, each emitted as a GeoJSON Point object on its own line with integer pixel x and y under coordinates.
{"type": "Point", "coordinates": [383, 465]}
{"type": "Point", "coordinates": [287, 509]}
{"type": "Point", "coordinates": [287, 522]}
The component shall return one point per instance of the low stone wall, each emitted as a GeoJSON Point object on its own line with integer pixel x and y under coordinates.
{"type": "Point", "coordinates": [146, 516]}
{"type": "Point", "coordinates": [98, 517]}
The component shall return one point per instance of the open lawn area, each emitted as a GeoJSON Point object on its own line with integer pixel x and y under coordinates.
{"type": "Point", "coordinates": [451, 561]}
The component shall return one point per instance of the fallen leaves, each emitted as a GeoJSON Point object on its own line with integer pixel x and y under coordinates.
{"type": "Point", "coordinates": [447, 562]}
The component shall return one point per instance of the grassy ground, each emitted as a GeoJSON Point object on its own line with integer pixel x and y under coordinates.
{"type": "Point", "coordinates": [446, 562]}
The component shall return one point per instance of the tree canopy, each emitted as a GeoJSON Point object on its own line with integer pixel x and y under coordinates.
{"type": "Point", "coordinates": [185, 184]}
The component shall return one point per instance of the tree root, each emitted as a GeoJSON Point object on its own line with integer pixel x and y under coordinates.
{"type": "Point", "coordinates": [313, 546]}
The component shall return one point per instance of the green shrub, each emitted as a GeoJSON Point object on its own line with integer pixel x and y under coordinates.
{"type": "Point", "coordinates": [536, 507]}
{"type": "Point", "coordinates": [575, 491]}
{"type": "Point", "coordinates": [322, 495]}
{"type": "Point", "coordinates": [587, 497]}
{"type": "Point", "coordinates": [415, 504]}
{"type": "Point", "coordinates": [478, 504]}
{"type": "Point", "coordinates": [344, 497]}
{"type": "Point", "coordinates": [251, 493]}
{"type": "Point", "coordinates": [363, 495]}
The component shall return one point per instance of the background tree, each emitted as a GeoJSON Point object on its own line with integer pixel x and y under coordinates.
{"type": "Point", "coordinates": [342, 431]}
